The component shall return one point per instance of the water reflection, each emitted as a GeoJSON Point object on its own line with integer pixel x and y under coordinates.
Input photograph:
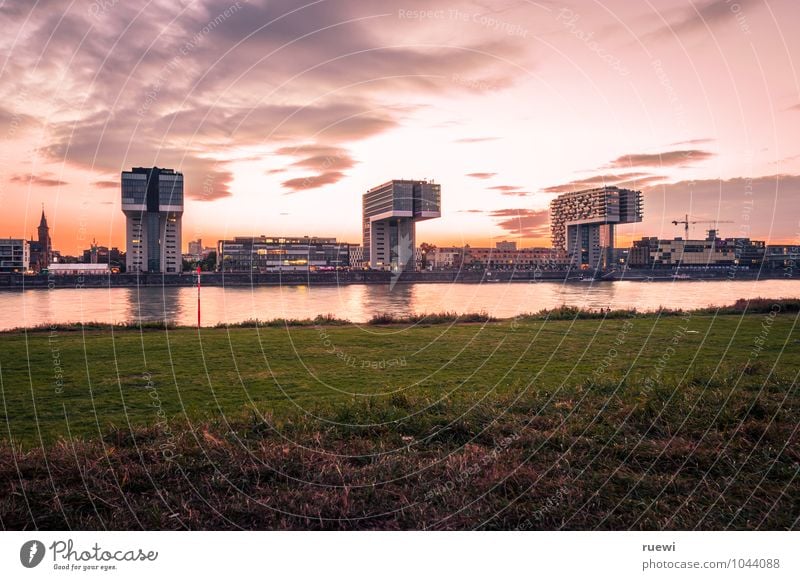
{"type": "Point", "coordinates": [153, 304]}
{"type": "Point", "coordinates": [359, 303]}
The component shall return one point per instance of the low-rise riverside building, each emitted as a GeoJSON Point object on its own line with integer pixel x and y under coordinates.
{"type": "Point", "coordinates": [711, 252]}
{"type": "Point", "coordinates": [273, 254]}
{"type": "Point", "coordinates": [79, 269]}
{"type": "Point", "coordinates": [15, 255]}
{"type": "Point", "coordinates": [504, 256]}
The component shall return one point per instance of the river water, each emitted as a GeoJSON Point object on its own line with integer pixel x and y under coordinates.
{"type": "Point", "coordinates": [360, 302]}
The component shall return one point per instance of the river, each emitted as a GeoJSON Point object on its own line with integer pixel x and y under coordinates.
{"type": "Point", "coordinates": [28, 308]}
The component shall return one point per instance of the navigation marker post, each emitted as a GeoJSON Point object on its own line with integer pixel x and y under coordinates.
{"type": "Point", "coordinates": [198, 297]}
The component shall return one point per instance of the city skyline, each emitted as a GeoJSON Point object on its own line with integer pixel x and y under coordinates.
{"type": "Point", "coordinates": [297, 112]}
{"type": "Point", "coordinates": [523, 266]}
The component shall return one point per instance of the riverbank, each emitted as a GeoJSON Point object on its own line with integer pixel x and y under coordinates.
{"type": "Point", "coordinates": [216, 279]}
{"type": "Point", "coordinates": [644, 422]}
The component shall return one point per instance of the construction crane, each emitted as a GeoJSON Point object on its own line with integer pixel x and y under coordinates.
{"type": "Point", "coordinates": [685, 221]}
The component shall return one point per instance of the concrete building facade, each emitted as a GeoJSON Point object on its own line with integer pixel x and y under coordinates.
{"type": "Point", "coordinates": [506, 246]}
{"type": "Point", "coordinates": [712, 251]}
{"type": "Point", "coordinates": [15, 255]}
{"type": "Point", "coordinates": [506, 257]}
{"type": "Point", "coordinates": [390, 213]}
{"type": "Point", "coordinates": [152, 201]}
{"type": "Point", "coordinates": [80, 269]}
{"type": "Point", "coordinates": [273, 254]}
{"type": "Point", "coordinates": [785, 257]}
{"type": "Point", "coordinates": [448, 257]}
{"type": "Point", "coordinates": [583, 223]}
{"type": "Point", "coordinates": [356, 256]}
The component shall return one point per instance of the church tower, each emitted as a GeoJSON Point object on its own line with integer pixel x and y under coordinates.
{"type": "Point", "coordinates": [45, 245]}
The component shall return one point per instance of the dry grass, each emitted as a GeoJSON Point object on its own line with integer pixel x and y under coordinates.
{"type": "Point", "coordinates": [578, 460]}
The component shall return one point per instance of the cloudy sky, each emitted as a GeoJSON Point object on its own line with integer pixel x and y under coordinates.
{"type": "Point", "coordinates": [282, 113]}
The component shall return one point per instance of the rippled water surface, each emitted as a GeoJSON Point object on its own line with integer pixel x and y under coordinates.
{"type": "Point", "coordinates": [360, 302]}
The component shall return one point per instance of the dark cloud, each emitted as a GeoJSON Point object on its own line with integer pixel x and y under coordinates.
{"type": "Point", "coordinates": [324, 162]}
{"type": "Point", "coordinates": [682, 157]}
{"type": "Point", "coordinates": [44, 180]}
{"type": "Point", "coordinates": [523, 222]}
{"type": "Point", "coordinates": [179, 90]}
{"type": "Point", "coordinates": [307, 149]}
{"type": "Point", "coordinates": [313, 181]}
{"type": "Point", "coordinates": [117, 149]}
{"type": "Point", "coordinates": [320, 158]}
{"type": "Point", "coordinates": [13, 122]}
{"type": "Point", "coordinates": [629, 179]}
{"type": "Point", "coordinates": [205, 179]}
{"type": "Point", "coordinates": [21, 9]}
{"type": "Point", "coordinates": [101, 142]}
{"type": "Point", "coordinates": [328, 162]}
{"type": "Point", "coordinates": [753, 205]}
{"type": "Point", "coordinates": [106, 184]}
{"type": "Point", "coordinates": [334, 122]}
{"type": "Point", "coordinates": [350, 43]}
{"type": "Point", "coordinates": [702, 15]}
{"type": "Point", "coordinates": [511, 190]}
{"type": "Point", "coordinates": [506, 188]}
{"type": "Point", "coordinates": [481, 175]}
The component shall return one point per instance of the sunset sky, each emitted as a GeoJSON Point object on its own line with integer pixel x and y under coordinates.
{"type": "Point", "coordinates": [281, 114]}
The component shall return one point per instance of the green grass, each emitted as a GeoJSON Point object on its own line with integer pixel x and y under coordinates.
{"type": "Point", "coordinates": [221, 373]}
{"type": "Point", "coordinates": [533, 423]}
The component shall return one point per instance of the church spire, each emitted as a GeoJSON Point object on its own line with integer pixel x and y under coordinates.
{"type": "Point", "coordinates": [43, 221]}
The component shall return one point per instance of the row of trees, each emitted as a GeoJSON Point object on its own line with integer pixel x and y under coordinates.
{"type": "Point", "coordinates": [207, 264]}
{"type": "Point", "coordinates": [426, 249]}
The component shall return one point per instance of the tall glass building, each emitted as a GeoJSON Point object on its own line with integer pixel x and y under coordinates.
{"type": "Point", "coordinates": [152, 201]}
{"type": "Point", "coordinates": [390, 213]}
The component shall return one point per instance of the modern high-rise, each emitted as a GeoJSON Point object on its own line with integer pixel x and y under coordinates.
{"type": "Point", "coordinates": [390, 213]}
{"type": "Point", "coordinates": [582, 223]}
{"type": "Point", "coordinates": [152, 200]}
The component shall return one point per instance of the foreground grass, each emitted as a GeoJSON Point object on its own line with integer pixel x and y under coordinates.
{"type": "Point", "coordinates": [652, 422]}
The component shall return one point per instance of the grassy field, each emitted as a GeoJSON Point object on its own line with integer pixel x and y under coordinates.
{"type": "Point", "coordinates": [628, 421]}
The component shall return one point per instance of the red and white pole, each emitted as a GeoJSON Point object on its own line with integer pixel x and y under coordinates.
{"type": "Point", "coordinates": [198, 296]}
